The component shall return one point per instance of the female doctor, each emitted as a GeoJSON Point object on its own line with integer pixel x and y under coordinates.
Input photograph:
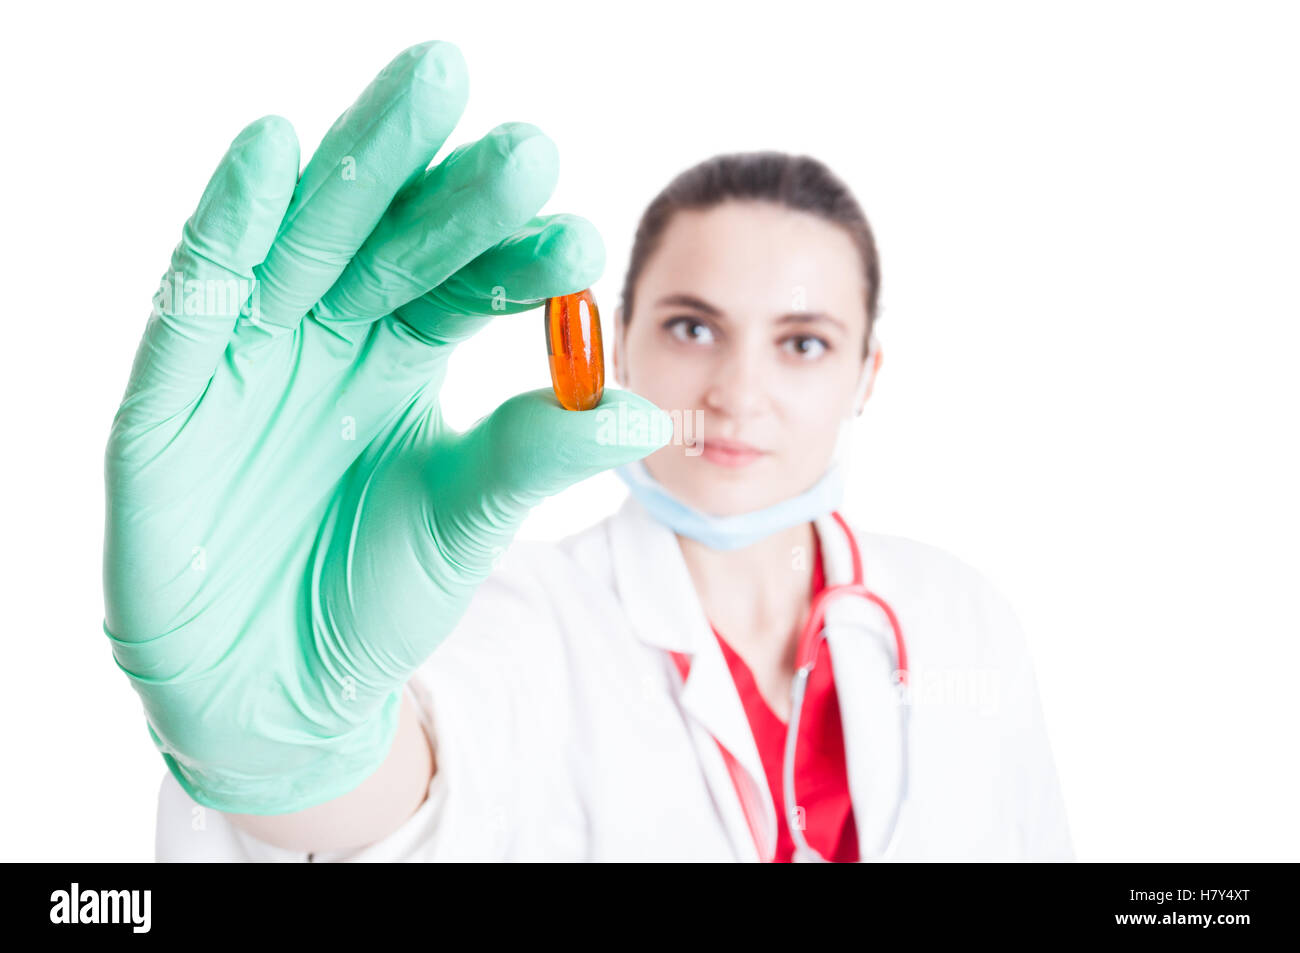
{"type": "Point", "coordinates": [303, 571]}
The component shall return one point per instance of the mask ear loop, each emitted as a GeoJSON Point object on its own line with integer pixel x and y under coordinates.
{"type": "Point", "coordinates": [869, 373]}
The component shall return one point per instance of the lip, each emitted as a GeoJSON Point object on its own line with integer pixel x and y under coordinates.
{"type": "Point", "coordinates": [730, 453]}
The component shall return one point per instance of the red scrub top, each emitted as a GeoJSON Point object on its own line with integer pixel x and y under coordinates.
{"type": "Point", "coordinates": [820, 778]}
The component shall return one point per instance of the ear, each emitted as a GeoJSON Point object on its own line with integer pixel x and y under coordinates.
{"type": "Point", "coordinates": [870, 369]}
{"type": "Point", "coordinates": [618, 346]}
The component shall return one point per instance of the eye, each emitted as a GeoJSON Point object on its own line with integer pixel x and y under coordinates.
{"type": "Point", "coordinates": [690, 330]}
{"type": "Point", "coordinates": [806, 346]}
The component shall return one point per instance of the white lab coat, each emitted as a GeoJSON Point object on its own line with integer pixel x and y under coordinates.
{"type": "Point", "coordinates": [563, 731]}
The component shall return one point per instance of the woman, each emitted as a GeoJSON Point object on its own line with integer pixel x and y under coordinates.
{"type": "Point", "coordinates": [626, 693]}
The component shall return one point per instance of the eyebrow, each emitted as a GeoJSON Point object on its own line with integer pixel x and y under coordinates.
{"type": "Point", "coordinates": [794, 317]}
{"type": "Point", "coordinates": [689, 301]}
{"type": "Point", "coordinates": [811, 317]}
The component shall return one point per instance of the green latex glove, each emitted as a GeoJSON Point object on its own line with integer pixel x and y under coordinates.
{"type": "Point", "coordinates": [291, 527]}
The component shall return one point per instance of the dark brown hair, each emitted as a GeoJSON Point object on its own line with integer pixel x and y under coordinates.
{"type": "Point", "coordinates": [796, 182]}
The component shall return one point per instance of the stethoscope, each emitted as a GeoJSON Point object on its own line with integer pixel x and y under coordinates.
{"type": "Point", "coordinates": [811, 637]}
{"type": "Point", "coordinates": [810, 640]}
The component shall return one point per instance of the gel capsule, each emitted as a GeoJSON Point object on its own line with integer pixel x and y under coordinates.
{"type": "Point", "coordinates": [574, 349]}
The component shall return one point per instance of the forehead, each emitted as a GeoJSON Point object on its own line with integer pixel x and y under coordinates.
{"type": "Point", "coordinates": [757, 257]}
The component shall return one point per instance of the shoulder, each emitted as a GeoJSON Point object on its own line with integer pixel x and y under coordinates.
{"type": "Point", "coordinates": [530, 592]}
{"type": "Point", "coordinates": [948, 600]}
{"type": "Point", "coordinates": [511, 652]}
{"type": "Point", "coordinates": [581, 559]}
{"type": "Point", "coordinates": [904, 562]}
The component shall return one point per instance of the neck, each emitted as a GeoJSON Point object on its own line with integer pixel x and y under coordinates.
{"type": "Point", "coordinates": [756, 596]}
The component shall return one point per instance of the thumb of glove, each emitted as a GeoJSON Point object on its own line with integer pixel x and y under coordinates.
{"type": "Point", "coordinates": [530, 448]}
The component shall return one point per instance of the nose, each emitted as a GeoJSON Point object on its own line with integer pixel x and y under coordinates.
{"type": "Point", "coordinates": [738, 385]}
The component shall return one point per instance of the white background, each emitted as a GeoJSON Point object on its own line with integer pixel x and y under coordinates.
{"type": "Point", "coordinates": [1087, 216]}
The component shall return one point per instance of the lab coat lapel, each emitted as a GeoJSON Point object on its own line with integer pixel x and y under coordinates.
{"type": "Point", "coordinates": [863, 657]}
{"type": "Point", "coordinates": [655, 587]}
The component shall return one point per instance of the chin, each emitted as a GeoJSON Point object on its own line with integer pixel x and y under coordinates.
{"type": "Point", "coordinates": [725, 491]}
{"type": "Point", "coordinates": [725, 498]}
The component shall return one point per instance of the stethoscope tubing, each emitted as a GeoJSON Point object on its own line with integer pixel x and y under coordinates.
{"type": "Point", "coordinates": [810, 639]}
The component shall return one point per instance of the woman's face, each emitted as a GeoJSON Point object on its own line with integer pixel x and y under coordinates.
{"type": "Point", "coordinates": [748, 328]}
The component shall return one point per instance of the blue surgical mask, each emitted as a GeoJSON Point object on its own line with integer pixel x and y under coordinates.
{"type": "Point", "coordinates": [742, 529]}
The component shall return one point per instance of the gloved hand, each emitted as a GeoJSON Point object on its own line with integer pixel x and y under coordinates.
{"type": "Point", "coordinates": [291, 527]}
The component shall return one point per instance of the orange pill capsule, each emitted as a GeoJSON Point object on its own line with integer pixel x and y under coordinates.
{"type": "Point", "coordinates": [575, 351]}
